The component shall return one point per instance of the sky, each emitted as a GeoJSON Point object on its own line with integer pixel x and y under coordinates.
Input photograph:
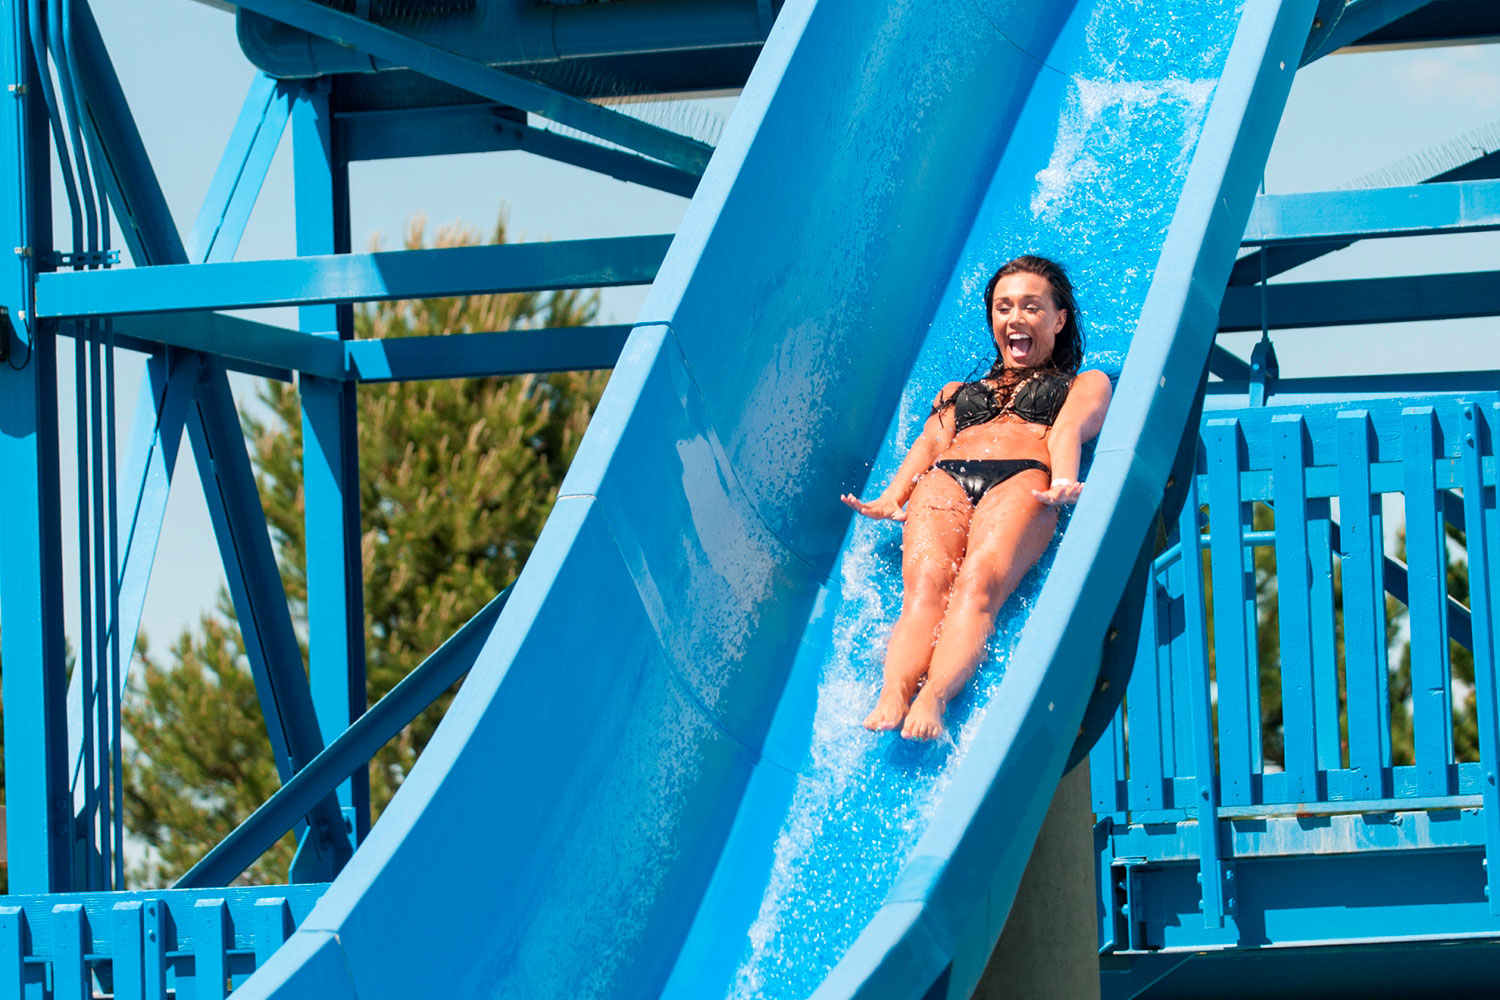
{"type": "Point", "coordinates": [185, 77]}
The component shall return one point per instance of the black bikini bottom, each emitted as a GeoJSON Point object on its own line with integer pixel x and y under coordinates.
{"type": "Point", "coordinates": [979, 476]}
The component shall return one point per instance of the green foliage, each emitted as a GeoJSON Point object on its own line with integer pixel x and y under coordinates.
{"type": "Point", "coordinates": [456, 479]}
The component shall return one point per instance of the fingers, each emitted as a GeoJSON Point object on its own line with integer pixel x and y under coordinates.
{"type": "Point", "coordinates": [1058, 495]}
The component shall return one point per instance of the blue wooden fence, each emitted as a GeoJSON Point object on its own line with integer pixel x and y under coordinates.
{"type": "Point", "coordinates": [1345, 782]}
{"type": "Point", "coordinates": [189, 944]}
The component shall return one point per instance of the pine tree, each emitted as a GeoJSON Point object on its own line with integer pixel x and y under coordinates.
{"type": "Point", "coordinates": [456, 479]}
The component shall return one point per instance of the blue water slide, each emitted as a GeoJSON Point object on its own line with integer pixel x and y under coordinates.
{"type": "Point", "coordinates": [654, 781]}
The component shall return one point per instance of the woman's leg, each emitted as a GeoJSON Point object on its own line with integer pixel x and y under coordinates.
{"type": "Point", "coordinates": [1008, 534]}
{"type": "Point", "coordinates": [932, 546]}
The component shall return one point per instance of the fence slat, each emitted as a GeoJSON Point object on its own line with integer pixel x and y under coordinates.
{"type": "Point", "coordinates": [1294, 592]}
{"type": "Point", "coordinates": [70, 942]}
{"type": "Point", "coordinates": [154, 949]}
{"type": "Point", "coordinates": [1325, 665]}
{"type": "Point", "coordinates": [210, 964]}
{"type": "Point", "coordinates": [127, 965]}
{"type": "Point", "coordinates": [1366, 674]}
{"type": "Point", "coordinates": [1427, 590]}
{"type": "Point", "coordinates": [1143, 709]}
{"type": "Point", "coordinates": [1479, 505]}
{"type": "Point", "coordinates": [1180, 663]}
{"type": "Point", "coordinates": [272, 918]}
{"type": "Point", "coordinates": [1195, 632]}
{"type": "Point", "coordinates": [1234, 644]}
{"type": "Point", "coordinates": [12, 953]}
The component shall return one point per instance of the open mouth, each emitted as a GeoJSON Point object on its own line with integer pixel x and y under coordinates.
{"type": "Point", "coordinates": [1018, 344]}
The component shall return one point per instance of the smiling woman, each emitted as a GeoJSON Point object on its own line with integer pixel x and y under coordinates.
{"type": "Point", "coordinates": [1007, 447]}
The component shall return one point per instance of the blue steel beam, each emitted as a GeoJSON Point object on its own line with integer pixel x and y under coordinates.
{"type": "Point", "coordinates": [330, 461]}
{"type": "Point", "coordinates": [233, 338]}
{"type": "Point", "coordinates": [241, 171]}
{"type": "Point", "coordinates": [39, 833]}
{"type": "Point", "coordinates": [151, 457]}
{"type": "Point", "coordinates": [1365, 300]}
{"type": "Point", "coordinates": [399, 274]}
{"type": "Point", "coordinates": [1358, 19]}
{"type": "Point", "coordinates": [275, 352]}
{"type": "Point", "coordinates": [472, 355]}
{"type": "Point", "coordinates": [145, 220]}
{"type": "Point", "coordinates": [1417, 210]}
{"type": "Point", "coordinates": [480, 79]}
{"type": "Point", "coordinates": [259, 598]}
{"type": "Point", "coordinates": [485, 128]}
{"type": "Point", "coordinates": [355, 746]}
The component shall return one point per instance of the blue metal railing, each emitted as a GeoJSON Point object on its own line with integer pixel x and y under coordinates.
{"type": "Point", "coordinates": [1355, 764]}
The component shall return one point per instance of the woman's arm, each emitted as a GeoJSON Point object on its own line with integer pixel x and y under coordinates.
{"type": "Point", "coordinates": [937, 434]}
{"type": "Point", "coordinates": [1079, 420]}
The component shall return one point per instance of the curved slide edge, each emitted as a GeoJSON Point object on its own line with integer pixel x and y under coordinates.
{"type": "Point", "coordinates": [940, 915]}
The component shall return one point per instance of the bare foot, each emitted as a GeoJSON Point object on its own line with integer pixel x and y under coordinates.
{"type": "Point", "coordinates": [889, 710]}
{"type": "Point", "coordinates": [924, 720]}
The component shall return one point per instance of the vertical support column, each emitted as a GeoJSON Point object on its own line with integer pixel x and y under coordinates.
{"type": "Point", "coordinates": [31, 603]}
{"type": "Point", "coordinates": [330, 457]}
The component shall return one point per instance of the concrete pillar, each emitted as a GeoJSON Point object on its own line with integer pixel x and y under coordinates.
{"type": "Point", "coordinates": [1049, 948]}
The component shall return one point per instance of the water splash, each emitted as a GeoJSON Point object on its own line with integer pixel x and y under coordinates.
{"type": "Point", "coordinates": [1101, 203]}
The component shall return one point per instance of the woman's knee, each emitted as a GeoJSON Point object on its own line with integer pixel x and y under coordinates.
{"type": "Point", "coordinates": [930, 582]}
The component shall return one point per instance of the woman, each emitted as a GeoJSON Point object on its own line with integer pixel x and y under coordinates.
{"type": "Point", "coordinates": [979, 490]}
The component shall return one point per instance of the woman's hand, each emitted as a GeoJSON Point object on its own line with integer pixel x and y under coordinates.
{"type": "Point", "coordinates": [1060, 492]}
{"type": "Point", "coordinates": [880, 508]}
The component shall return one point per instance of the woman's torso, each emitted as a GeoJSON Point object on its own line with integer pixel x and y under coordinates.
{"type": "Point", "coordinates": [1015, 425]}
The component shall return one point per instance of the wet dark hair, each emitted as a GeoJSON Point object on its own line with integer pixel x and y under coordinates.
{"type": "Point", "coordinates": [1067, 352]}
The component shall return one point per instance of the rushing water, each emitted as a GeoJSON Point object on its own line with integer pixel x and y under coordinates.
{"type": "Point", "coordinates": [1100, 202]}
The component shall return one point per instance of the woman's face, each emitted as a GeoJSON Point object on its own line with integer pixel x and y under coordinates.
{"type": "Point", "coordinates": [1025, 320]}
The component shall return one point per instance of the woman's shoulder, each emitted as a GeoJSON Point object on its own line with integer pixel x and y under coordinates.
{"type": "Point", "coordinates": [1093, 382]}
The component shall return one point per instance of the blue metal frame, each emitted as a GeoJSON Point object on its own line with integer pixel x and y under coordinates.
{"type": "Point", "coordinates": [330, 457]}
{"type": "Point", "coordinates": [1362, 300]}
{"type": "Point", "coordinates": [477, 78]}
{"type": "Point", "coordinates": [39, 831]}
{"type": "Point", "coordinates": [344, 278]}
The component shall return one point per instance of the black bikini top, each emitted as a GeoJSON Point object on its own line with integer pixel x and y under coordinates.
{"type": "Point", "coordinates": [1036, 399]}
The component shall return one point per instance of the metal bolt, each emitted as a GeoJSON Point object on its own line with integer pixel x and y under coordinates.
{"type": "Point", "coordinates": [1171, 481]}
{"type": "Point", "coordinates": [1317, 23]}
{"type": "Point", "coordinates": [17, 88]}
{"type": "Point", "coordinates": [1103, 684]}
{"type": "Point", "coordinates": [1114, 634]}
{"type": "Point", "coordinates": [23, 251]}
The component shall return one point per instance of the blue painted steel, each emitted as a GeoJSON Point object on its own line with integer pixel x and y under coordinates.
{"type": "Point", "coordinates": [469, 355]}
{"type": "Point", "coordinates": [1362, 300]}
{"type": "Point", "coordinates": [1357, 19]}
{"type": "Point", "coordinates": [146, 223]}
{"type": "Point", "coordinates": [357, 744]}
{"type": "Point", "coordinates": [398, 274]}
{"type": "Point", "coordinates": [259, 600]}
{"type": "Point", "coordinates": [330, 462]}
{"type": "Point", "coordinates": [241, 172]}
{"type": "Point", "coordinates": [478, 78]}
{"type": "Point", "coordinates": [277, 351]}
{"type": "Point", "coordinates": [39, 831]}
{"type": "Point", "coordinates": [695, 733]}
{"type": "Point", "coordinates": [528, 35]}
{"type": "Point", "coordinates": [483, 128]}
{"type": "Point", "coordinates": [1455, 207]}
